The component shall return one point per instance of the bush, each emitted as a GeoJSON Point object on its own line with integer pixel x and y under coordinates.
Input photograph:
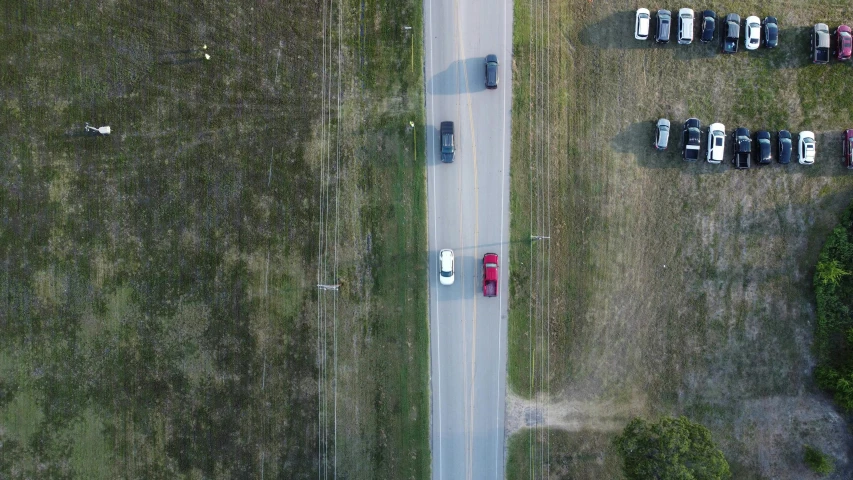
{"type": "Point", "coordinates": [833, 285]}
{"type": "Point", "coordinates": [818, 461]}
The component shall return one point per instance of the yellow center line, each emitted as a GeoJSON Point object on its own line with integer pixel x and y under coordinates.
{"type": "Point", "coordinates": [470, 406]}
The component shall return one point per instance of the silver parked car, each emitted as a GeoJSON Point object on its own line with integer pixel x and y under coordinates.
{"type": "Point", "coordinates": [662, 134]}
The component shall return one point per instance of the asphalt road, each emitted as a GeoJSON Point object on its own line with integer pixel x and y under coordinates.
{"type": "Point", "coordinates": [469, 213]}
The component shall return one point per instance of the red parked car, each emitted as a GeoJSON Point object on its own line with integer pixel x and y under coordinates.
{"type": "Point", "coordinates": [848, 148]}
{"type": "Point", "coordinates": [843, 43]}
{"type": "Point", "coordinates": [490, 274]}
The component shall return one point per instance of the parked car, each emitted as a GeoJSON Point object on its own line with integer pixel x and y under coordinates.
{"type": "Point", "coordinates": [771, 32]}
{"type": "Point", "coordinates": [661, 134]}
{"type": "Point", "coordinates": [785, 147]}
{"type": "Point", "coordinates": [641, 25]}
{"type": "Point", "coordinates": [685, 26]}
{"type": "Point", "coordinates": [490, 275]}
{"type": "Point", "coordinates": [446, 268]}
{"type": "Point", "coordinates": [762, 147]}
{"type": "Point", "coordinates": [716, 142]}
{"type": "Point", "coordinates": [730, 34]}
{"type": "Point", "coordinates": [848, 148]}
{"type": "Point", "coordinates": [820, 43]}
{"type": "Point", "coordinates": [691, 139]}
{"type": "Point", "coordinates": [808, 147]}
{"type": "Point", "coordinates": [753, 33]}
{"type": "Point", "coordinates": [741, 148]}
{"type": "Point", "coordinates": [709, 26]}
{"type": "Point", "coordinates": [664, 22]}
{"type": "Point", "coordinates": [447, 145]}
{"type": "Point", "coordinates": [492, 72]}
{"type": "Point", "coordinates": [843, 43]}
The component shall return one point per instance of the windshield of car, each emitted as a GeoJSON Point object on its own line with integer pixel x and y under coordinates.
{"type": "Point", "coordinates": [734, 30]}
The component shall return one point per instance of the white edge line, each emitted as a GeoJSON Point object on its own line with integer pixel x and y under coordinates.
{"type": "Point", "coordinates": [499, 431]}
{"type": "Point", "coordinates": [437, 405]}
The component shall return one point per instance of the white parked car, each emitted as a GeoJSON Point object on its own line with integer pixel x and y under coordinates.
{"type": "Point", "coordinates": [685, 26]}
{"type": "Point", "coordinates": [716, 142]}
{"type": "Point", "coordinates": [445, 267]}
{"type": "Point", "coordinates": [808, 147]}
{"type": "Point", "coordinates": [641, 25]}
{"type": "Point", "coordinates": [753, 33]}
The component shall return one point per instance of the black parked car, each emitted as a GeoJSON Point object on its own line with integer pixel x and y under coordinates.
{"type": "Point", "coordinates": [762, 144]}
{"type": "Point", "coordinates": [741, 148]}
{"type": "Point", "coordinates": [664, 23]}
{"type": "Point", "coordinates": [691, 139]}
{"type": "Point", "coordinates": [771, 32]}
{"type": "Point", "coordinates": [786, 146]}
{"type": "Point", "coordinates": [709, 26]}
{"type": "Point", "coordinates": [730, 33]}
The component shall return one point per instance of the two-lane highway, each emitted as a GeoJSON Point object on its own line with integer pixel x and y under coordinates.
{"type": "Point", "coordinates": [468, 213]}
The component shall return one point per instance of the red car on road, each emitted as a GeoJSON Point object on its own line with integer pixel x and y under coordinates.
{"type": "Point", "coordinates": [843, 43]}
{"type": "Point", "coordinates": [848, 148]}
{"type": "Point", "coordinates": [490, 274]}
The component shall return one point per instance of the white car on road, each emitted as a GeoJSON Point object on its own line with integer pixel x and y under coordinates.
{"type": "Point", "coordinates": [445, 267]}
{"type": "Point", "coordinates": [641, 25]}
{"type": "Point", "coordinates": [753, 33]}
{"type": "Point", "coordinates": [716, 142]}
{"type": "Point", "coordinates": [808, 148]}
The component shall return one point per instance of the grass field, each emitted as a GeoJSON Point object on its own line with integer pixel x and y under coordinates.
{"type": "Point", "coordinates": [668, 288]}
{"type": "Point", "coordinates": [158, 297]}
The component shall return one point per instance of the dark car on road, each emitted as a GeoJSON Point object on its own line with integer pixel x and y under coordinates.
{"type": "Point", "coordinates": [447, 145]}
{"type": "Point", "coordinates": [843, 43]}
{"type": "Point", "coordinates": [762, 144]}
{"type": "Point", "coordinates": [786, 146]}
{"type": "Point", "coordinates": [741, 148]}
{"type": "Point", "coordinates": [492, 72]}
{"type": "Point", "coordinates": [709, 26]}
{"type": "Point", "coordinates": [730, 33]}
{"type": "Point", "coordinates": [771, 32]}
{"type": "Point", "coordinates": [664, 24]}
{"type": "Point", "coordinates": [848, 148]}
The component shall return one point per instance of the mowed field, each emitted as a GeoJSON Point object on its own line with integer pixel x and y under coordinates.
{"type": "Point", "coordinates": [668, 288]}
{"type": "Point", "coordinates": [159, 308]}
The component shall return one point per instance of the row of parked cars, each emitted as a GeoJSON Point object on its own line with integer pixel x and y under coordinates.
{"type": "Point", "coordinates": [742, 143]}
{"type": "Point", "coordinates": [756, 29]}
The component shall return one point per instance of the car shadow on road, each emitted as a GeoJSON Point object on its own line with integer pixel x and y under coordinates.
{"type": "Point", "coordinates": [452, 80]}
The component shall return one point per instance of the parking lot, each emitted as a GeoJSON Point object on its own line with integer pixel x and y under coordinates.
{"type": "Point", "coordinates": [682, 287]}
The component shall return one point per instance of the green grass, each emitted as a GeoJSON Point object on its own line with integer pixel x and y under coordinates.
{"type": "Point", "coordinates": [569, 455]}
{"type": "Point", "coordinates": [159, 308]}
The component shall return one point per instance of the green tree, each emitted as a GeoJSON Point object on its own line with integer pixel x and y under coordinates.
{"type": "Point", "coordinates": [829, 272]}
{"type": "Point", "coordinates": [818, 461]}
{"type": "Point", "coordinates": [673, 448]}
